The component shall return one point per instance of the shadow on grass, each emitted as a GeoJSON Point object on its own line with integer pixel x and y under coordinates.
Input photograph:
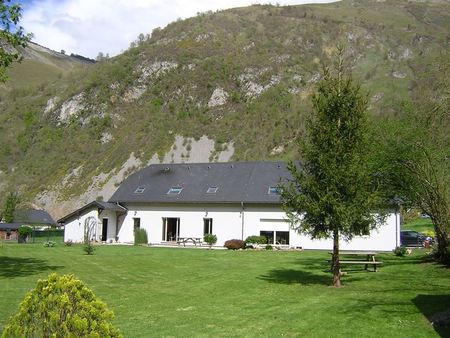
{"type": "Point", "coordinates": [290, 276]}
{"type": "Point", "coordinates": [437, 310]}
{"type": "Point", "coordinates": [19, 267]}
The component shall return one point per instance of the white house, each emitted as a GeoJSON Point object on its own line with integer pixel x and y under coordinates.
{"type": "Point", "coordinates": [231, 200]}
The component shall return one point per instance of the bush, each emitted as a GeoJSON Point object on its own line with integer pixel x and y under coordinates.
{"type": "Point", "coordinates": [61, 306]}
{"type": "Point", "coordinates": [24, 231]}
{"type": "Point", "coordinates": [400, 251]}
{"type": "Point", "coordinates": [234, 244]}
{"type": "Point", "coordinates": [140, 236]}
{"type": "Point", "coordinates": [269, 247]}
{"type": "Point", "coordinates": [256, 240]}
{"type": "Point", "coordinates": [210, 239]}
{"type": "Point", "coordinates": [89, 248]}
{"type": "Point", "coordinates": [49, 244]}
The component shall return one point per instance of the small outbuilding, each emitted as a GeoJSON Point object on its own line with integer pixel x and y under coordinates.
{"type": "Point", "coordinates": [31, 217]}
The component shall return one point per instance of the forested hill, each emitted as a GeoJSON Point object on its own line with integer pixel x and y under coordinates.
{"type": "Point", "coordinates": [229, 85]}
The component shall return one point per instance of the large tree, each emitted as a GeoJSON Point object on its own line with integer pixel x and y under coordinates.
{"type": "Point", "coordinates": [417, 152]}
{"type": "Point", "coordinates": [11, 35]}
{"type": "Point", "coordinates": [10, 207]}
{"type": "Point", "coordinates": [333, 193]}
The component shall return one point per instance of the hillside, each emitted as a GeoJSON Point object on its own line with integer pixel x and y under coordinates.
{"type": "Point", "coordinates": [40, 65]}
{"type": "Point", "coordinates": [230, 85]}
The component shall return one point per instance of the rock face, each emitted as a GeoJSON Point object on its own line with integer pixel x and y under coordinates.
{"type": "Point", "coordinates": [250, 81]}
{"type": "Point", "coordinates": [155, 69]}
{"type": "Point", "coordinates": [103, 185]}
{"type": "Point", "coordinates": [71, 108]}
{"type": "Point", "coordinates": [218, 98]}
{"type": "Point", "coordinates": [189, 150]}
{"type": "Point", "coordinates": [133, 93]}
{"type": "Point", "coordinates": [51, 105]}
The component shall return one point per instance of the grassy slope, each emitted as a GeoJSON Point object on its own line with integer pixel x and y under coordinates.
{"type": "Point", "coordinates": [420, 225]}
{"type": "Point", "coordinates": [171, 292]}
{"type": "Point", "coordinates": [36, 154]}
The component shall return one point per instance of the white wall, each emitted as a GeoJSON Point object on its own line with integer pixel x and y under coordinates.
{"type": "Point", "coordinates": [226, 221]}
{"type": "Point", "coordinates": [227, 224]}
{"type": "Point", "coordinates": [384, 238]}
{"type": "Point", "coordinates": [74, 229]}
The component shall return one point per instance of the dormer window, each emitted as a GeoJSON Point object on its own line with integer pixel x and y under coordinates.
{"type": "Point", "coordinates": [139, 190]}
{"type": "Point", "coordinates": [174, 191]}
{"type": "Point", "coordinates": [212, 190]}
{"type": "Point", "coordinates": [274, 190]}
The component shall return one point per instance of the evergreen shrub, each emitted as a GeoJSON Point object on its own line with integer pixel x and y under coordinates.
{"type": "Point", "coordinates": [400, 251]}
{"type": "Point", "coordinates": [210, 239]}
{"type": "Point", "coordinates": [140, 236]}
{"type": "Point", "coordinates": [61, 306]}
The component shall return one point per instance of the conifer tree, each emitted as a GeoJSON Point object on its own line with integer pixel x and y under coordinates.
{"type": "Point", "coordinates": [333, 193]}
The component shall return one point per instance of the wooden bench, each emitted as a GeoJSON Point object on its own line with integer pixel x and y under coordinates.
{"type": "Point", "coordinates": [369, 259]}
{"type": "Point", "coordinates": [366, 263]}
{"type": "Point", "coordinates": [194, 240]}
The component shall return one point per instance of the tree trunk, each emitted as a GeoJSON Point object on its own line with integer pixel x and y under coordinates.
{"type": "Point", "coordinates": [443, 243]}
{"type": "Point", "coordinates": [335, 262]}
{"type": "Point", "coordinates": [442, 237]}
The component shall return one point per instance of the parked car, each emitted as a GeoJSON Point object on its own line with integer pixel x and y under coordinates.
{"type": "Point", "coordinates": [412, 238]}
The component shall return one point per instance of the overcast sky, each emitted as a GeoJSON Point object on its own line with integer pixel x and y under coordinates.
{"type": "Point", "coordinates": [87, 27]}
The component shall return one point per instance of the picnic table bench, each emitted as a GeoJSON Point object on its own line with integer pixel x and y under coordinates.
{"type": "Point", "coordinates": [194, 240]}
{"type": "Point", "coordinates": [369, 258]}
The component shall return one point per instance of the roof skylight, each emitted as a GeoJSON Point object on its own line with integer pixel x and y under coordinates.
{"type": "Point", "coordinates": [139, 190]}
{"type": "Point", "coordinates": [274, 190]}
{"type": "Point", "coordinates": [212, 190]}
{"type": "Point", "coordinates": [174, 191]}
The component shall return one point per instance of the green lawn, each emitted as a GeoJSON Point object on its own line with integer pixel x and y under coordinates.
{"type": "Point", "coordinates": [185, 292]}
{"type": "Point", "coordinates": [419, 224]}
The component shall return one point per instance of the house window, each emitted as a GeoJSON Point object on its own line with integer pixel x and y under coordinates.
{"type": "Point", "coordinates": [276, 237]}
{"type": "Point", "coordinates": [207, 226]}
{"type": "Point", "coordinates": [212, 190]}
{"type": "Point", "coordinates": [282, 237]}
{"type": "Point", "coordinates": [137, 223]}
{"type": "Point", "coordinates": [139, 190]}
{"type": "Point", "coordinates": [274, 190]}
{"type": "Point", "coordinates": [174, 191]}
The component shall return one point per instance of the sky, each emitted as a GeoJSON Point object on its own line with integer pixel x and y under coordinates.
{"type": "Point", "coordinates": [87, 27]}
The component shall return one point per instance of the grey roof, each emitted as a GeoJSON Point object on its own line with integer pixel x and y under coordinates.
{"type": "Point", "coordinates": [10, 226]}
{"type": "Point", "coordinates": [237, 182]}
{"type": "Point", "coordinates": [94, 204]}
{"type": "Point", "coordinates": [32, 216]}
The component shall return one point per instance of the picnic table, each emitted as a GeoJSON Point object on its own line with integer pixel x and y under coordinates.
{"type": "Point", "coordinates": [365, 258]}
{"type": "Point", "coordinates": [194, 240]}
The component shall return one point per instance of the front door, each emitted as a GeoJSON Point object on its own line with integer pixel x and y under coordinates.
{"type": "Point", "coordinates": [104, 229]}
{"type": "Point", "coordinates": [171, 229]}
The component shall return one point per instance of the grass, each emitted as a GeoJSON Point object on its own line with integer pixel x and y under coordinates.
{"type": "Point", "coordinates": [419, 225]}
{"type": "Point", "coordinates": [185, 292]}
